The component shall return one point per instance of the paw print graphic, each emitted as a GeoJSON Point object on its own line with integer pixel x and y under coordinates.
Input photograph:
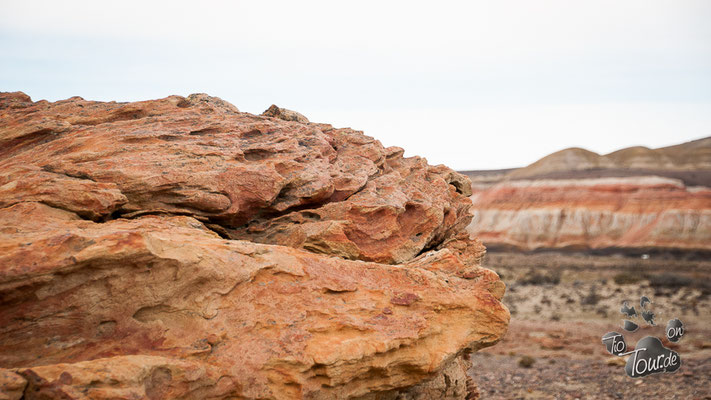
{"type": "Point", "coordinates": [630, 312]}
{"type": "Point", "coordinates": [649, 355]}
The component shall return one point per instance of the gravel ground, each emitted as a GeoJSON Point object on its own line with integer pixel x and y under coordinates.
{"type": "Point", "coordinates": [562, 304]}
{"type": "Point", "coordinates": [563, 378]}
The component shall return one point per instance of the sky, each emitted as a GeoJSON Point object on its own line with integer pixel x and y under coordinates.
{"type": "Point", "coordinates": [470, 84]}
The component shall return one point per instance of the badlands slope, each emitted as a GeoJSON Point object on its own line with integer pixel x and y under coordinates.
{"type": "Point", "coordinates": [632, 200]}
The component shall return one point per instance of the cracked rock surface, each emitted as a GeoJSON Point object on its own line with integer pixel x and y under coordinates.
{"type": "Point", "coordinates": [179, 248]}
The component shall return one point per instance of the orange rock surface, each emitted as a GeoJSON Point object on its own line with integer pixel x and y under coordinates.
{"type": "Point", "coordinates": [179, 248]}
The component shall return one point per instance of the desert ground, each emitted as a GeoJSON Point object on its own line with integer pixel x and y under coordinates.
{"type": "Point", "coordinates": [562, 303]}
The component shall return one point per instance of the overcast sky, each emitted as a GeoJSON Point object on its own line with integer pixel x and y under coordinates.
{"type": "Point", "coordinates": [474, 85]}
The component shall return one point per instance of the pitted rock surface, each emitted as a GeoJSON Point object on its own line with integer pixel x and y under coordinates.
{"type": "Point", "coordinates": [179, 248]}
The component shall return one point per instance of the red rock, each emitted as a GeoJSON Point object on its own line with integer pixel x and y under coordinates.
{"type": "Point", "coordinates": [12, 385]}
{"type": "Point", "coordinates": [283, 113]}
{"type": "Point", "coordinates": [128, 267]}
{"type": "Point", "coordinates": [404, 299]}
{"type": "Point", "coordinates": [328, 190]}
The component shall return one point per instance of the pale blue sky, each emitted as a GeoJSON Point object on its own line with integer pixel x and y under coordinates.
{"type": "Point", "coordinates": [474, 85]}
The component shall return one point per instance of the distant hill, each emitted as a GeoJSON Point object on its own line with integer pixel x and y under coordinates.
{"type": "Point", "coordinates": [690, 162]}
{"type": "Point", "coordinates": [689, 156]}
{"type": "Point", "coordinates": [634, 201]}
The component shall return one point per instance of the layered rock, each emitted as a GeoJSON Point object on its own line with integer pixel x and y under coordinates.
{"type": "Point", "coordinates": [179, 248]}
{"type": "Point", "coordinates": [661, 201]}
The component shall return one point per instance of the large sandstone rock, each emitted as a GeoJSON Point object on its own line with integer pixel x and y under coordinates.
{"type": "Point", "coordinates": [179, 248]}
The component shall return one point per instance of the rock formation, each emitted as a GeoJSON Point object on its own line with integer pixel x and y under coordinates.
{"type": "Point", "coordinates": [180, 248]}
{"type": "Point", "coordinates": [633, 200]}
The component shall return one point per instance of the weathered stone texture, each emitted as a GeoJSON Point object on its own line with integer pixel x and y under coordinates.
{"type": "Point", "coordinates": [179, 248]}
